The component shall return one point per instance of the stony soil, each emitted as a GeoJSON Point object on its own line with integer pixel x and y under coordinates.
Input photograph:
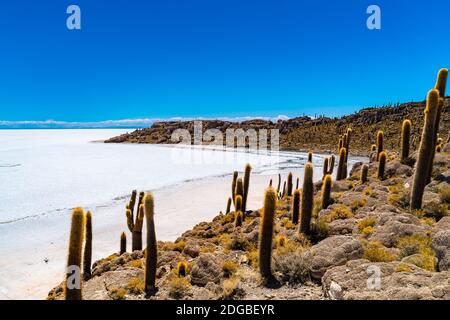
{"type": "Point", "coordinates": [367, 245]}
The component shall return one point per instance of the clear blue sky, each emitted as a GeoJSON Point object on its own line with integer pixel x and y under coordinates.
{"type": "Point", "coordinates": [215, 58]}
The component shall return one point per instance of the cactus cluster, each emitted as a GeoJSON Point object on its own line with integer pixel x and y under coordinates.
{"type": "Point", "coordinates": [328, 165]}
{"type": "Point", "coordinates": [80, 251]}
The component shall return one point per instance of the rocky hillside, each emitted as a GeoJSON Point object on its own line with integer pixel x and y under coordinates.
{"type": "Point", "coordinates": [367, 244]}
{"type": "Point", "coordinates": [319, 135]}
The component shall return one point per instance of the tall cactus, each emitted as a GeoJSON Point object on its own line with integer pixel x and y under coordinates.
{"type": "Point", "coordinates": [123, 243]}
{"type": "Point", "coordinates": [382, 165]}
{"type": "Point", "coordinates": [326, 191]}
{"type": "Point", "coordinates": [441, 84]}
{"type": "Point", "coordinates": [297, 183]}
{"type": "Point", "coordinates": [406, 135]}
{"type": "Point", "coordinates": [87, 257]}
{"type": "Point", "coordinates": [151, 251]}
{"type": "Point", "coordinates": [341, 165]}
{"type": "Point", "coordinates": [135, 227]}
{"type": "Point", "coordinates": [279, 183]}
{"type": "Point", "coordinates": [364, 173]}
{"type": "Point", "coordinates": [295, 206]}
{"type": "Point", "coordinates": [239, 191]}
{"type": "Point", "coordinates": [347, 143]}
{"type": "Point", "coordinates": [233, 186]}
{"type": "Point", "coordinates": [380, 140]}
{"type": "Point", "coordinates": [266, 234]}
{"type": "Point", "coordinates": [289, 184]}
{"type": "Point", "coordinates": [307, 199]}
{"type": "Point", "coordinates": [425, 149]}
{"type": "Point", "coordinates": [310, 155]}
{"type": "Point", "coordinates": [228, 206]}
{"type": "Point", "coordinates": [325, 167]}
{"type": "Point", "coordinates": [72, 286]}
{"type": "Point", "coordinates": [248, 169]}
{"type": "Point", "coordinates": [331, 164]}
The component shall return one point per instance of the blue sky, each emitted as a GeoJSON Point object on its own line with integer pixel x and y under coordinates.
{"type": "Point", "coordinates": [215, 58]}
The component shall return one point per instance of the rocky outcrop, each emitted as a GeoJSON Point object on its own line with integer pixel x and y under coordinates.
{"type": "Point", "coordinates": [333, 251]}
{"type": "Point", "coordinates": [365, 280]}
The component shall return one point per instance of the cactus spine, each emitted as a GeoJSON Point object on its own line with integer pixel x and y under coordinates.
{"type": "Point", "coordinates": [380, 138]}
{"type": "Point", "coordinates": [266, 234]}
{"type": "Point", "coordinates": [151, 251]}
{"type": "Point", "coordinates": [248, 169]}
{"type": "Point", "coordinates": [406, 134]}
{"type": "Point", "coordinates": [307, 199]}
{"type": "Point", "coordinates": [425, 149]}
{"type": "Point", "coordinates": [295, 206]}
{"type": "Point", "coordinates": [72, 287]}
{"type": "Point", "coordinates": [382, 165]}
{"type": "Point", "coordinates": [364, 173]}
{"type": "Point", "coordinates": [326, 191]}
{"type": "Point", "coordinates": [123, 243]}
{"type": "Point", "coordinates": [87, 256]}
{"type": "Point", "coordinates": [341, 166]}
{"type": "Point", "coordinates": [289, 184]}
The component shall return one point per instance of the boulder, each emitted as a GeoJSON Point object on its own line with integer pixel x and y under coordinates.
{"type": "Point", "coordinates": [206, 269]}
{"type": "Point", "coordinates": [441, 244]}
{"type": "Point", "coordinates": [192, 248]}
{"type": "Point", "coordinates": [333, 251]}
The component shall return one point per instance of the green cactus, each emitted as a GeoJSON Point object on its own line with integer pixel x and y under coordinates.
{"type": "Point", "coordinates": [380, 139]}
{"type": "Point", "coordinates": [228, 206]}
{"type": "Point", "coordinates": [307, 199]}
{"type": "Point", "coordinates": [406, 134]}
{"type": "Point", "coordinates": [364, 173]}
{"type": "Point", "coordinates": [151, 251]}
{"type": "Point", "coordinates": [382, 165]}
{"type": "Point", "coordinates": [239, 219]}
{"type": "Point", "coordinates": [326, 191]}
{"type": "Point", "coordinates": [266, 234]}
{"type": "Point", "coordinates": [72, 286]}
{"type": "Point", "coordinates": [248, 169]}
{"type": "Point", "coordinates": [123, 243]}
{"type": "Point", "coordinates": [341, 165]}
{"type": "Point", "coordinates": [87, 256]}
{"type": "Point", "coordinates": [425, 149]}
{"type": "Point", "coordinates": [233, 186]}
{"type": "Point", "coordinates": [296, 206]}
{"type": "Point", "coordinates": [289, 184]}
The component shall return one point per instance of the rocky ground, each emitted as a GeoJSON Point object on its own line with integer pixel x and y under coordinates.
{"type": "Point", "coordinates": [366, 245]}
{"type": "Point", "coordinates": [319, 134]}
